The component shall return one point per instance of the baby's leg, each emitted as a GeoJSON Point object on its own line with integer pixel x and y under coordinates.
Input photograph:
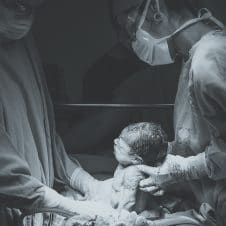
{"type": "Point", "coordinates": [127, 199]}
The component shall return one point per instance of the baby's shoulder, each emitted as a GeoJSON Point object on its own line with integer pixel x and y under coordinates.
{"type": "Point", "coordinates": [133, 171]}
{"type": "Point", "coordinates": [128, 178]}
{"type": "Point", "coordinates": [132, 177]}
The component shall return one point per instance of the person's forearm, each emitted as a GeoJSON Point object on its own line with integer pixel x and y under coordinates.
{"type": "Point", "coordinates": [82, 181]}
{"type": "Point", "coordinates": [91, 188]}
{"type": "Point", "coordinates": [51, 201]}
{"type": "Point", "coordinates": [174, 169]}
{"type": "Point", "coordinates": [196, 167]}
{"type": "Point", "coordinates": [55, 202]}
{"type": "Point", "coordinates": [189, 168]}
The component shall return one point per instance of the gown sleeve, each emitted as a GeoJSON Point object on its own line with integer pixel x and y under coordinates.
{"type": "Point", "coordinates": [18, 189]}
{"type": "Point", "coordinates": [209, 80]}
{"type": "Point", "coordinates": [64, 166]}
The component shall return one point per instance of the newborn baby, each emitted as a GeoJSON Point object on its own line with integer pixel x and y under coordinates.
{"type": "Point", "coordinates": [140, 143]}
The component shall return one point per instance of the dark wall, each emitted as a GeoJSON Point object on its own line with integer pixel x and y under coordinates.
{"type": "Point", "coordinates": [74, 37]}
{"type": "Point", "coordinates": [74, 34]}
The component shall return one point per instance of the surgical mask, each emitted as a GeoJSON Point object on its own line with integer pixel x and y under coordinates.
{"type": "Point", "coordinates": [13, 26]}
{"type": "Point", "coordinates": [155, 51]}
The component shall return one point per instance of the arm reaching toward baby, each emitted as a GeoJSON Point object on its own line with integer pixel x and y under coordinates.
{"type": "Point", "coordinates": [173, 170]}
{"type": "Point", "coordinates": [97, 213]}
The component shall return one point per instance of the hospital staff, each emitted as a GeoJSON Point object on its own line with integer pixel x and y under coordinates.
{"type": "Point", "coordinates": [32, 155]}
{"type": "Point", "coordinates": [158, 31]}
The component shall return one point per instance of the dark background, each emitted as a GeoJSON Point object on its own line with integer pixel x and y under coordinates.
{"type": "Point", "coordinates": [84, 63]}
{"type": "Point", "coordinates": [74, 34]}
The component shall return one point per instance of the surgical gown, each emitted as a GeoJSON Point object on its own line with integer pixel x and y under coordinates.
{"type": "Point", "coordinates": [200, 117]}
{"type": "Point", "coordinates": [31, 153]}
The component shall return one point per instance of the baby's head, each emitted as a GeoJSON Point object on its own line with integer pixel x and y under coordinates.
{"type": "Point", "coordinates": [141, 143]}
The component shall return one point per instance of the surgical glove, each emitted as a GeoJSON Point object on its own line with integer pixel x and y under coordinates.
{"type": "Point", "coordinates": [174, 169]}
{"type": "Point", "coordinates": [55, 202]}
{"type": "Point", "coordinates": [82, 181]}
{"type": "Point", "coordinates": [91, 188]}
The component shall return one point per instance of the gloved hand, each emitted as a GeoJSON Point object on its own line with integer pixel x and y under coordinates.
{"type": "Point", "coordinates": [72, 194]}
{"type": "Point", "coordinates": [53, 201]}
{"type": "Point", "coordinates": [174, 169]}
{"type": "Point", "coordinates": [90, 210]}
{"type": "Point", "coordinates": [91, 188]}
{"type": "Point", "coordinates": [82, 181]}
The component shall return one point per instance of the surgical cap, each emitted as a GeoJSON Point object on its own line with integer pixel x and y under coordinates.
{"type": "Point", "coordinates": [119, 7]}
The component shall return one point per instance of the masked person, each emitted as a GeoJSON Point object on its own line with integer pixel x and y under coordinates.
{"type": "Point", "coordinates": [158, 31]}
{"type": "Point", "coordinates": [32, 156]}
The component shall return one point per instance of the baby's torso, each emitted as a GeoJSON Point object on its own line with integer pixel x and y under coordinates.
{"type": "Point", "coordinates": [125, 189]}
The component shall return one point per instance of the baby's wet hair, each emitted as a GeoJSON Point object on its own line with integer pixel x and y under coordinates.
{"type": "Point", "coordinates": [147, 140]}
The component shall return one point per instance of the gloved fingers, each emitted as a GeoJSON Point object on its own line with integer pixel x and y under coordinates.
{"type": "Point", "coordinates": [159, 193]}
{"type": "Point", "coordinates": [149, 185]}
{"type": "Point", "coordinates": [86, 197]}
{"type": "Point", "coordinates": [149, 182]}
{"type": "Point", "coordinates": [152, 189]}
{"type": "Point", "coordinates": [77, 196]}
{"type": "Point", "coordinates": [148, 169]}
{"type": "Point", "coordinates": [81, 198]}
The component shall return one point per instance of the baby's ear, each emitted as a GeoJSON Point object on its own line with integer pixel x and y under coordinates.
{"type": "Point", "coordinates": [137, 160]}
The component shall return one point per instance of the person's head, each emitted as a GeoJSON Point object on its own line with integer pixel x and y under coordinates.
{"type": "Point", "coordinates": [161, 19]}
{"type": "Point", "coordinates": [16, 18]}
{"type": "Point", "coordinates": [141, 143]}
{"type": "Point", "coordinates": [149, 26]}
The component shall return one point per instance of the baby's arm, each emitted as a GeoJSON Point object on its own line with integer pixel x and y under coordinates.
{"type": "Point", "coordinates": [125, 189]}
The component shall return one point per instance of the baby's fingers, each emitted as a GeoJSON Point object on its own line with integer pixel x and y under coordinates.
{"type": "Point", "coordinates": [147, 169]}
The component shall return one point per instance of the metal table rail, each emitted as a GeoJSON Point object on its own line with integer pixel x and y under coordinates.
{"type": "Point", "coordinates": [113, 106]}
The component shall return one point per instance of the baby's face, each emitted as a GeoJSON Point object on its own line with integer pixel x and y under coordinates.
{"type": "Point", "coordinates": [123, 152]}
